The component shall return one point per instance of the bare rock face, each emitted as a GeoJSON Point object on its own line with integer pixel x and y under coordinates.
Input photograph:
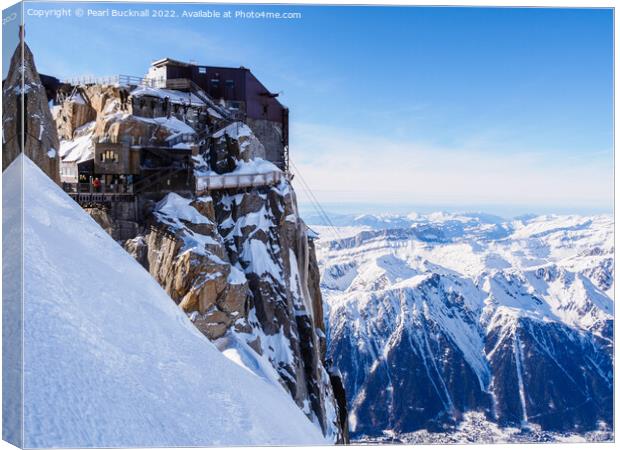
{"type": "Point", "coordinates": [241, 266]}
{"type": "Point", "coordinates": [224, 155]}
{"type": "Point", "coordinates": [137, 248]}
{"type": "Point", "coordinates": [74, 112]}
{"type": "Point", "coordinates": [104, 99]}
{"type": "Point", "coordinates": [25, 108]}
{"type": "Point", "coordinates": [185, 254]}
{"type": "Point", "coordinates": [113, 120]}
{"type": "Point", "coordinates": [265, 237]}
{"type": "Point", "coordinates": [314, 290]}
{"type": "Point", "coordinates": [130, 129]}
{"type": "Point", "coordinates": [104, 220]}
{"type": "Point", "coordinates": [232, 144]}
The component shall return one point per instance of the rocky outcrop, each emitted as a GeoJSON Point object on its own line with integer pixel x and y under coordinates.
{"type": "Point", "coordinates": [185, 254]}
{"type": "Point", "coordinates": [102, 217]}
{"type": "Point", "coordinates": [113, 121]}
{"type": "Point", "coordinates": [241, 265]}
{"type": "Point", "coordinates": [238, 263]}
{"type": "Point", "coordinates": [265, 237]}
{"type": "Point", "coordinates": [314, 287]}
{"type": "Point", "coordinates": [118, 221]}
{"type": "Point", "coordinates": [234, 143]}
{"type": "Point", "coordinates": [340, 395]}
{"type": "Point", "coordinates": [130, 129]}
{"type": "Point", "coordinates": [26, 111]}
{"type": "Point", "coordinates": [267, 240]}
{"type": "Point", "coordinates": [72, 114]}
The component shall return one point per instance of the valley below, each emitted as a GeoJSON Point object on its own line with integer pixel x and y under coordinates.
{"type": "Point", "coordinates": [470, 327]}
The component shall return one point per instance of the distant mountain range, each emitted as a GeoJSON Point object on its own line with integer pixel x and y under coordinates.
{"type": "Point", "coordinates": [434, 317]}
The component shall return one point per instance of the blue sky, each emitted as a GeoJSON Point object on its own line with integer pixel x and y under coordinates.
{"type": "Point", "coordinates": [504, 110]}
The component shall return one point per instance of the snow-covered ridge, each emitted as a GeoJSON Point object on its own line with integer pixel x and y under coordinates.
{"type": "Point", "coordinates": [479, 311]}
{"type": "Point", "coordinates": [552, 267]}
{"type": "Point", "coordinates": [473, 246]}
{"type": "Point", "coordinates": [455, 227]}
{"type": "Point", "coordinates": [110, 360]}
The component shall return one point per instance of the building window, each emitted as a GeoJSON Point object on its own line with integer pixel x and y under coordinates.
{"type": "Point", "coordinates": [230, 83]}
{"type": "Point", "coordinates": [108, 156]}
{"type": "Point", "coordinates": [202, 70]}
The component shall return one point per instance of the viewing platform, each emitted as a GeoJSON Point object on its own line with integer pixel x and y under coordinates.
{"type": "Point", "coordinates": [206, 183]}
{"type": "Point", "coordinates": [86, 199]}
{"type": "Point", "coordinates": [85, 193]}
{"type": "Point", "coordinates": [112, 80]}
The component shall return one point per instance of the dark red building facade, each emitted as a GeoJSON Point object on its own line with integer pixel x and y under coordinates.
{"type": "Point", "coordinates": [242, 91]}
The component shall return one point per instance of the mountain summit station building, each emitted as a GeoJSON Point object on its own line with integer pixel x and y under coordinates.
{"type": "Point", "coordinates": [241, 91]}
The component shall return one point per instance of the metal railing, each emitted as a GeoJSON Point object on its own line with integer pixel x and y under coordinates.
{"type": "Point", "coordinates": [161, 83]}
{"type": "Point", "coordinates": [114, 80]}
{"type": "Point", "coordinates": [98, 198]}
{"type": "Point", "coordinates": [185, 138]}
{"type": "Point", "coordinates": [181, 84]}
{"type": "Point", "coordinates": [206, 183]}
{"type": "Point", "coordinates": [88, 188]}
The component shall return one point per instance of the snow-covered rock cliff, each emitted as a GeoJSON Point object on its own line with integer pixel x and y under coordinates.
{"type": "Point", "coordinates": [239, 265]}
{"type": "Point", "coordinates": [238, 262]}
{"type": "Point", "coordinates": [109, 360]}
{"type": "Point", "coordinates": [26, 116]}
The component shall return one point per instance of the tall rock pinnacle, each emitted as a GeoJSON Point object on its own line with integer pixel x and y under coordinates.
{"type": "Point", "coordinates": [25, 110]}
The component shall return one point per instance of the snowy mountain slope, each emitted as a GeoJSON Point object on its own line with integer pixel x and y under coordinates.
{"type": "Point", "coordinates": [12, 317]}
{"type": "Point", "coordinates": [238, 262]}
{"type": "Point", "coordinates": [457, 313]}
{"type": "Point", "coordinates": [110, 360]}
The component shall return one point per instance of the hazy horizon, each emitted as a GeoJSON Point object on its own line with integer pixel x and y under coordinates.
{"type": "Point", "coordinates": [308, 210]}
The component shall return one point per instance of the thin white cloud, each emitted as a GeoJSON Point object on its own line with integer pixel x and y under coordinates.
{"type": "Point", "coordinates": [349, 166]}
